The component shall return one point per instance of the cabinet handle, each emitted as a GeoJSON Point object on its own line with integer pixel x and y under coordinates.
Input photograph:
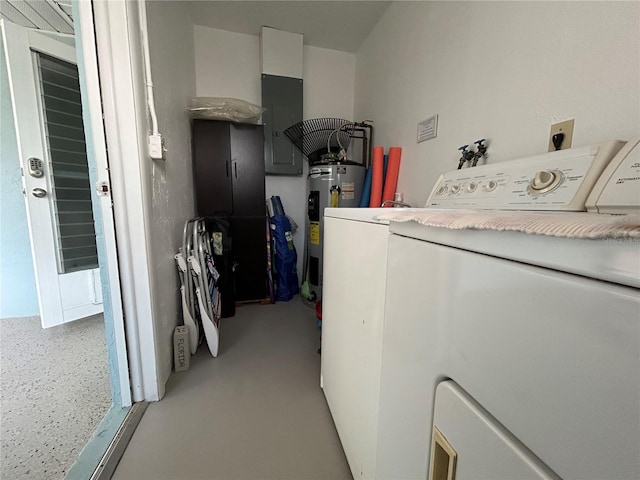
{"type": "Point", "coordinates": [235, 169]}
{"type": "Point", "coordinates": [226, 168]}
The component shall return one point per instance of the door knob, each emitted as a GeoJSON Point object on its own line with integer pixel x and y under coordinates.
{"type": "Point", "coordinates": [39, 192]}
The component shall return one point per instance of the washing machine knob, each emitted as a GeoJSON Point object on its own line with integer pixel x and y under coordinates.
{"type": "Point", "coordinates": [472, 187]}
{"type": "Point", "coordinates": [455, 189]}
{"type": "Point", "coordinates": [544, 181]}
{"type": "Point", "coordinates": [491, 186]}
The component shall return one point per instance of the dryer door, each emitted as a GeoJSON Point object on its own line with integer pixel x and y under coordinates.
{"type": "Point", "coordinates": [468, 443]}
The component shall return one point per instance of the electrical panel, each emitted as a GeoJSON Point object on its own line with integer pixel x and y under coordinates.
{"type": "Point", "coordinates": [282, 101]}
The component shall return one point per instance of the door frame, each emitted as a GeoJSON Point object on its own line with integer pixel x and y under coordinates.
{"type": "Point", "coordinates": [94, 126]}
{"type": "Point", "coordinates": [113, 29]}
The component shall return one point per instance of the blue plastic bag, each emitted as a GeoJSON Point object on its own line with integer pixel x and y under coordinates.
{"type": "Point", "coordinates": [285, 258]}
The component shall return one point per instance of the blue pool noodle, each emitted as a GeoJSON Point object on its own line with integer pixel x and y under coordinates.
{"type": "Point", "coordinates": [384, 169]}
{"type": "Point", "coordinates": [366, 188]}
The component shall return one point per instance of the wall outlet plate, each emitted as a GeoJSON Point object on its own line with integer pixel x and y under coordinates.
{"type": "Point", "coordinates": [565, 127]}
{"type": "Point", "coordinates": [156, 147]}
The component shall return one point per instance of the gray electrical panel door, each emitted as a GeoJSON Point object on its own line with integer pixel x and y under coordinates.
{"type": "Point", "coordinates": [282, 99]}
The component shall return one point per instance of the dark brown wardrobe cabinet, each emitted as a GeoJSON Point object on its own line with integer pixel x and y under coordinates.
{"type": "Point", "coordinates": [229, 181]}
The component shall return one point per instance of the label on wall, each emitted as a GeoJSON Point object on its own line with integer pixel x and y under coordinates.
{"type": "Point", "coordinates": [428, 129]}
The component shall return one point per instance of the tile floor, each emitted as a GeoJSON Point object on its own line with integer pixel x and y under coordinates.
{"type": "Point", "coordinates": [54, 390]}
{"type": "Point", "coordinates": [255, 412]}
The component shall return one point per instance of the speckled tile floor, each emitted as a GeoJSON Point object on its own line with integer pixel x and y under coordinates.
{"type": "Point", "coordinates": [54, 390]}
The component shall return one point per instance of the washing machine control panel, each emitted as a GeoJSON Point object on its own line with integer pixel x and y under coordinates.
{"type": "Point", "coordinates": [553, 181]}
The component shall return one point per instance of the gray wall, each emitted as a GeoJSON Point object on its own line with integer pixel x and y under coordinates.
{"type": "Point", "coordinates": [501, 70]}
{"type": "Point", "coordinates": [171, 182]}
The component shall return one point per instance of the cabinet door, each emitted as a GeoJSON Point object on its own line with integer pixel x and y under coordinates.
{"type": "Point", "coordinates": [212, 167]}
{"type": "Point", "coordinates": [250, 255]}
{"type": "Point", "coordinates": [247, 162]}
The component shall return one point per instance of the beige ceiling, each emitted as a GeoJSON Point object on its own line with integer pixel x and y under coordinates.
{"type": "Point", "coordinates": [338, 25]}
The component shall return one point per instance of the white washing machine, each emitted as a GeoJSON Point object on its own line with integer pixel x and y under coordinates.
{"type": "Point", "coordinates": [355, 267]}
{"type": "Point", "coordinates": [355, 273]}
{"type": "Point", "coordinates": [539, 334]}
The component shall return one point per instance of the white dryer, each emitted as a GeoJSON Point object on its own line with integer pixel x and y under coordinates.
{"type": "Point", "coordinates": [539, 333]}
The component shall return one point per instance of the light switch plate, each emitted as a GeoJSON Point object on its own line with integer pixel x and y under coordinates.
{"type": "Point", "coordinates": [565, 127]}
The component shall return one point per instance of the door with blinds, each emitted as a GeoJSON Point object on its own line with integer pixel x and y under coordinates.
{"type": "Point", "coordinates": [47, 109]}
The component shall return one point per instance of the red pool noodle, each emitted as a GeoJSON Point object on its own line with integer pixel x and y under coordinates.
{"type": "Point", "coordinates": [376, 179]}
{"type": "Point", "coordinates": [393, 169]}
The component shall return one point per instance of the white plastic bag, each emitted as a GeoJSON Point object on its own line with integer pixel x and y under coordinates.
{"type": "Point", "coordinates": [221, 108]}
